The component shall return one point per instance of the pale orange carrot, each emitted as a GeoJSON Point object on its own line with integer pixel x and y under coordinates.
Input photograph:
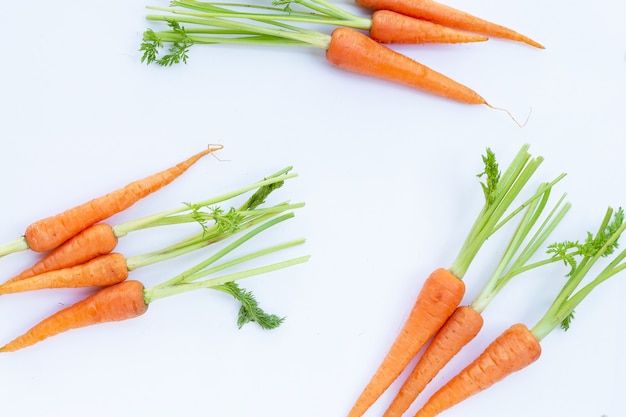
{"type": "Point", "coordinates": [513, 350]}
{"type": "Point", "coordinates": [114, 303]}
{"type": "Point", "coordinates": [440, 295]}
{"type": "Point", "coordinates": [353, 51]}
{"type": "Point", "coordinates": [391, 27]}
{"type": "Point", "coordinates": [462, 326]}
{"type": "Point", "coordinates": [94, 241]}
{"type": "Point", "coordinates": [103, 270]}
{"type": "Point", "coordinates": [49, 233]}
{"type": "Point", "coordinates": [448, 16]}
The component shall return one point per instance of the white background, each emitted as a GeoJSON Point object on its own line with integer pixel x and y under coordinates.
{"type": "Point", "coordinates": [388, 175]}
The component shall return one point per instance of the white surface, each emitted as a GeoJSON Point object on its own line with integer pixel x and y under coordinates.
{"type": "Point", "coordinates": [388, 177]}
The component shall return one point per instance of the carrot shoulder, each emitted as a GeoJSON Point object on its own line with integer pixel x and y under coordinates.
{"type": "Point", "coordinates": [353, 51]}
{"type": "Point", "coordinates": [441, 294]}
{"type": "Point", "coordinates": [103, 270]}
{"type": "Point", "coordinates": [515, 349]}
{"type": "Point", "coordinates": [448, 16]}
{"type": "Point", "coordinates": [391, 27]}
{"type": "Point", "coordinates": [115, 303]}
{"type": "Point", "coordinates": [48, 233]}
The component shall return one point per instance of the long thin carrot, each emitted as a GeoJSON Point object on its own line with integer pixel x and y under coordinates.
{"type": "Point", "coordinates": [466, 321]}
{"type": "Point", "coordinates": [346, 48]}
{"type": "Point", "coordinates": [50, 232]}
{"type": "Point", "coordinates": [448, 16]}
{"type": "Point", "coordinates": [518, 347]}
{"type": "Point", "coordinates": [102, 238]}
{"type": "Point", "coordinates": [439, 297]}
{"type": "Point", "coordinates": [129, 299]}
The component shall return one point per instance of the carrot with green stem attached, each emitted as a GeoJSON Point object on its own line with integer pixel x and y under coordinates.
{"type": "Point", "coordinates": [112, 268]}
{"type": "Point", "coordinates": [102, 238]}
{"type": "Point", "coordinates": [466, 321]}
{"type": "Point", "coordinates": [345, 48]}
{"type": "Point", "coordinates": [518, 346]}
{"type": "Point", "coordinates": [130, 298]}
{"type": "Point", "coordinates": [50, 232]}
{"type": "Point", "coordinates": [384, 25]}
{"type": "Point", "coordinates": [444, 289]}
{"type": "Point", "coordinates": [448, 16]}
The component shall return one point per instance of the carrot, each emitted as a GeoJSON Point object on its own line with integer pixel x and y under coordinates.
{"type": "Point", "coordinates": [101, 238]}
{"type": "Point", "coordinates": [513, 350]}
{"type": "Point", "coordinates": [391, 27]}
{"type": "Point", "coordinates": [346, 48]}
{"type": "Point", "coordinates": [118, 302]}
{"type": "Point", "coordinates": [442, 292]}
{"type": "Point", "coordinates": [130, 299]}
{"type": "Point", "coordinates": [50, 232]}
{"type": "Point", "coordinates": [518, 346]}
{"type": "Point", "coordinates": [355, 52]}
{"type": "Point", "coordinates": [447, 16]}
{"type": "Point", "coordinates": [92, 242]}
{"type": "Point", "coordinates": [107, 269]}
{"type": "Point", "coordinates": [466, 321]}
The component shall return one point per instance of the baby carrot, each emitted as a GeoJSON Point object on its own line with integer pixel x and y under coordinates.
{"type": "Point", "coordinates": [129, 299]}
{"type": "Point", "coordinates": [102, 238]}
{"type": "Point", "coordinates": [466, 321]}
{"type": "Point", "coordinates": [50, 232]}
{"type": "Point", "coordinates": [444, 289]}
{"type": "Point", "coordinates": [448, 16]}
{"type": "Point", "coordinates": [518, 347]}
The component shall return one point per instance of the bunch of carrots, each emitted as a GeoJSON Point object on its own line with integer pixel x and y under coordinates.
{"type": "Point", "coordinates": [77, 249]}
{"type": "Point", "coordinates": [192, 22]}
{"type": "Point", "coordinates": [441, 326]}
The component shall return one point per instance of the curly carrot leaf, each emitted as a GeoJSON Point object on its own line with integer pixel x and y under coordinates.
{"type": "Point", "coordinates": [250, 310]}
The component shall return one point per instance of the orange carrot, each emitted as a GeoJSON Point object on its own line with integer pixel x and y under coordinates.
{"type": "Point", "coordinates": [444, 289]}
{"type": "Point", "coordinates": [513, 350]}
{"type": "Point", "coordinates": [441, 294]}
{"type": "Point", "coordinates": [448, 16]}
{"type": "Point", "coordinates": [462, 326]}
{"type": "Point", "coordinates": [103, 270]}
{"type": "Point", "coordinates": [114, 303]}
{"type": "Point", "coordinates": [353, 51]}
{"type": "Point", "coordinates": [48, 233]}
{"type": "Point", "coordinates": [391, 27]}
{"type": "Point", "coordinates": [94, 241]}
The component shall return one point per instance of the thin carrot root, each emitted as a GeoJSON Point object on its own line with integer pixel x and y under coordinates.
{"type": "Point", "coordinates": [392, 27]}
{"type": "Point", "coordinates": [448, 16]}
{"type": "Point", "coordinates": [358, 53]}
{"type": "Point", "coordinates": [115, 303]}
{"type": "Point", "coordinates": [101, 271]}
{"type": "Point", "coordinates": [519, 124]}
{"type": "Point", "coordinates": [92, 242]}
{"type": "Point", "coordinates": [515, 349]}
{"type": "Point", "coordinates": [462, 326]}
{"type": "Point", "coordinates": [439, 297]}
{"type": "Point", "coordinates": [49, 233]}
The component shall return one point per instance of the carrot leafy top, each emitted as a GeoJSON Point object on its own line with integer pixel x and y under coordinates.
{"type": "Point", "coordinates": [581, 256]}
{"type": "Point", "coordinates": [500, 191]}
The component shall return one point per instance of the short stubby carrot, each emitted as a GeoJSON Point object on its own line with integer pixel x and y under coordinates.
{"type": "Point", "coordinates": [391, 27]}
{"type": "Point", "coordinates": [462, 326]}
{"type": "Point", "coordinates": [103, 270]}
{"type": "Point", "coordinates": [49, 233]}
{"type": "Point", "coordinates": [515, 349]}
{"type": "Point", "coordinates": [353, 51]}
{"type": "Point", "coordinates": [92, 242]}
{"type": "Point", "coordinates": [439, 297]}
{"type": "Point", "coordinates": [448, 16]}
{"type": "Point", "coordinates": [114, 303]}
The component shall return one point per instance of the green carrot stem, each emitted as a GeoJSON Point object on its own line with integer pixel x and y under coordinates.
{"type": "Point", "coordinates": [17, 245]}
